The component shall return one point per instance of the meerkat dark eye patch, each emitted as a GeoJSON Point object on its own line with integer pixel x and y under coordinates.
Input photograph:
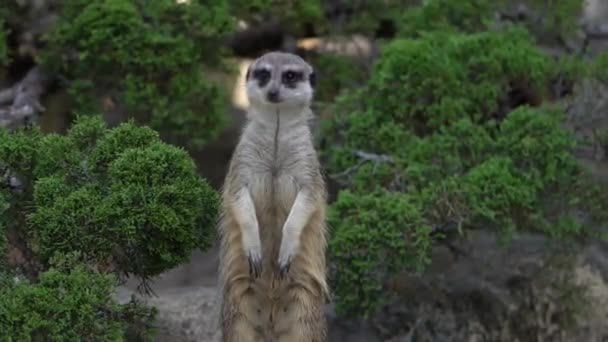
{"type": "Point", "coordinates": [291, 77]}
{"type": "Point", "coordinates": [262, 76]}
{"type": "Point", "coordinates": [312, 79]}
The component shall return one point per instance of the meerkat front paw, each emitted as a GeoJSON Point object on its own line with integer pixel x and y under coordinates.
{"type": "Point", "coordinates": [286, 254]}
{"type": "Point", "coordinates": [253, 251]}
{"type": "Point", "coordinates": [284, 267]}
{"type": "Point", "coordinates": [254, 257]}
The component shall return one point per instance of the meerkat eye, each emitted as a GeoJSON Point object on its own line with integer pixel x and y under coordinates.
{"type": "Point", "coordinates": [262, 75]}
{"type": "Point", "coordinates": [290, 77]}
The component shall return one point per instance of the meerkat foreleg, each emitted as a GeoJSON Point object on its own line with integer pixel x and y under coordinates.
{"type": "Point", "coordinates": [244, 212]}
{"type": "Point", "coordinates": [298, 217]}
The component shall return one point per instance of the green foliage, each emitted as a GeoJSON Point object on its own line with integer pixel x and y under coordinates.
{"type": "Point", "coordinates": [4, 205]}
{"type": "Point", "coordinates": [294, 15]}
{"type": "Point", "coordinates": [540, 147]}
{"type": "Point", "coordinates": [559, 18]}
{"type": "Point", "coordinates": [429, 82]}
{"type": "Point", "coordinates": [70, 302]}
{"type": "Point", "coordinates": [149, 58]}
{"type": "Point", "coordinates": [400, 240]}
{"type": "Point", "coordinates": [445, 131]}
{"type": "Point", "coordinates": [61, 306]}
{"type": "Point", "coordinates": [367, 17]}
{"type": "Point", "coordinates": [599, 68]}
{"type": "Point", "coordinates": [495, 192]}
{"type": "Point", "coordinates": [343, 17]}
{"type": "Point", "coordinates": [336, 73]}
{"type": "Point", "coordinates": [118, 195]}
{"type": "Point", "coordinates": [447, 15]}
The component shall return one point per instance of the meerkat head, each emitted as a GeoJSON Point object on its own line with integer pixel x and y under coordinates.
{"type": "Point", "coordinates": [280, 80]}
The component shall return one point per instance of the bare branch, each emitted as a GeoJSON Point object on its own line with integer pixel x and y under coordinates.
{"type": "Point", "coordinates": [26, 96]}
{"type": "Point", "coordinates": [364, 157]}
{"type": "Point", "coordinates": [376, 158]}
{"type": "Point", "coordinates": [7, 95]}
{"type": "Point", "coordinates": [599, 32]}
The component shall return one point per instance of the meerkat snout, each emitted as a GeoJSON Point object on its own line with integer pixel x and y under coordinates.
{"type": "Point", "coordinates": [273, 95]}
{"type": "Point", "coordinates": [280, 80]}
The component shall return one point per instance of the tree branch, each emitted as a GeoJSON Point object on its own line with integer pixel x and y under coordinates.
{"type": "Point", "coordinates": [364, 157]}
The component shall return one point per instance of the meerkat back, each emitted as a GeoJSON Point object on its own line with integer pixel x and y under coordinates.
{"type": "Point", "coordinates": [272, 227]}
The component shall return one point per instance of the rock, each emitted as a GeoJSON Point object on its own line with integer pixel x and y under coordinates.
{"type": "Point", "coordinates": [188, 315]}
{"type": "Point", "coordinates": [528, 290]}
{"type": "Point", "coordinates": [185, 314]}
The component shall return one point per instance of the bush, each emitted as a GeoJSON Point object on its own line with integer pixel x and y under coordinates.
{"type": "Point", "coordinates": [4, 205]}
{"type": "Point", "coordinates": [151, 59]}
{"type": "Point", "coordinates": [429, 82]}
{"type": "Point", "coordinates": [336, 73]}
{"type": "Point", "coordinates": [118, 196]}
{"type": "Point", "coordinates": [375, 234]}
{"type": "Point", "coordinates": [301, 18]}
{"type": "Point", "coordinates": [294, 15]}
{"type": "Point", "coordinates": [467, 16]}
{"type": "Point", "coordinates": [451, 133]}
{"type": "Point", "coordinates": [560, 18]}
{"type": "Point", "coordinates": [66, 304]}
{"type": "Point", "coordinates": [472, 16]}
{"type": "Point", "coordinates": [599, 68]}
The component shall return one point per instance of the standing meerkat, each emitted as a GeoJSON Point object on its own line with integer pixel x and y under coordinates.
{"type": "Point", "coordinates": [272, 227]}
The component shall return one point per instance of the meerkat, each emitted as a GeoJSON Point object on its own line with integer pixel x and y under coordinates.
{"type": "Point", "coordinates": [272, 227]}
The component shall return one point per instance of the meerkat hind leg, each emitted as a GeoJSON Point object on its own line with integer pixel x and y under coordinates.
{"type": "Point", "coordinates": [297, 219]}
{"type": "Point", "coordinates": [299, 317]}
{"type": "Point", "coordinates": [244, 212]}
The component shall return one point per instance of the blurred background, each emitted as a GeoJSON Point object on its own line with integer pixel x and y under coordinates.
{"type": "Point", "coordinates": [463, 143]}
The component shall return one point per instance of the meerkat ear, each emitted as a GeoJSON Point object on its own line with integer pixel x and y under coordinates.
{"type": "Point", "coordinates": [248, 73]}
{"type": "Point", "coordinates": [312, 78]}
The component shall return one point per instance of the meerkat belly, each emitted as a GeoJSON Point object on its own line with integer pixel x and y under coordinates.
{"type": "Point", "coordinates": [273, 196]}
{"type": "Point", "coordinates": [285, 192]}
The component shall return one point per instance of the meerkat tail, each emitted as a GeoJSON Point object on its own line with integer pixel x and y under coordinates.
{"type": "Point", "coordinates": [297, 219]}
{"type": "Point", "coordinates": [244, 214]}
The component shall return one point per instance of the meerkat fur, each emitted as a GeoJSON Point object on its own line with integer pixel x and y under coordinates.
{"type": "Point", "coordinates": [272, 226]}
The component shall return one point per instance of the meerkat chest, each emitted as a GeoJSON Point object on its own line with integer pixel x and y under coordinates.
{"type": "Point", "coordinates": [280, 168]}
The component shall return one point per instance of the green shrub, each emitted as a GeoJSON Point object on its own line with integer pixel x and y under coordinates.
{"type": "Point", "coordinates": [539, 146]}
{"type": "Point", "coordinates": [4, 205]}
{"type": "Point", "coordinates": [368, 17]}
{"type": "Point", "coordinates": [335, 73]}
{"type": "Point", "coordinates": [429, 82]}
{"type": "Point", "coordinates": [559, 18]}
{"type": "Point", "coordinates": [375, 234]}
{"type": "Point", "coordinates": [67, 304]}
{"type": "Point", "coordinates": [323, 17]}
{"type": "Point", "coordinates": [599, 68]}
{"type": "Point", "coordinates": [440, 133]}
{"type": "Point", "coordinates": [116, 195]}
{"type": "Point", "coordinates": [496, 193]}
{"type": "Point", "coordinates": [293, 15]}
{"type": "Point", "coordinates": [447, 15]}
{"type": "Point", "coordinates": [152, 59]}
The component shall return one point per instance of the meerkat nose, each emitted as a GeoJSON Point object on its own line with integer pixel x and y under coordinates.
{"type": "Point", "coordinates": [273, 96]}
